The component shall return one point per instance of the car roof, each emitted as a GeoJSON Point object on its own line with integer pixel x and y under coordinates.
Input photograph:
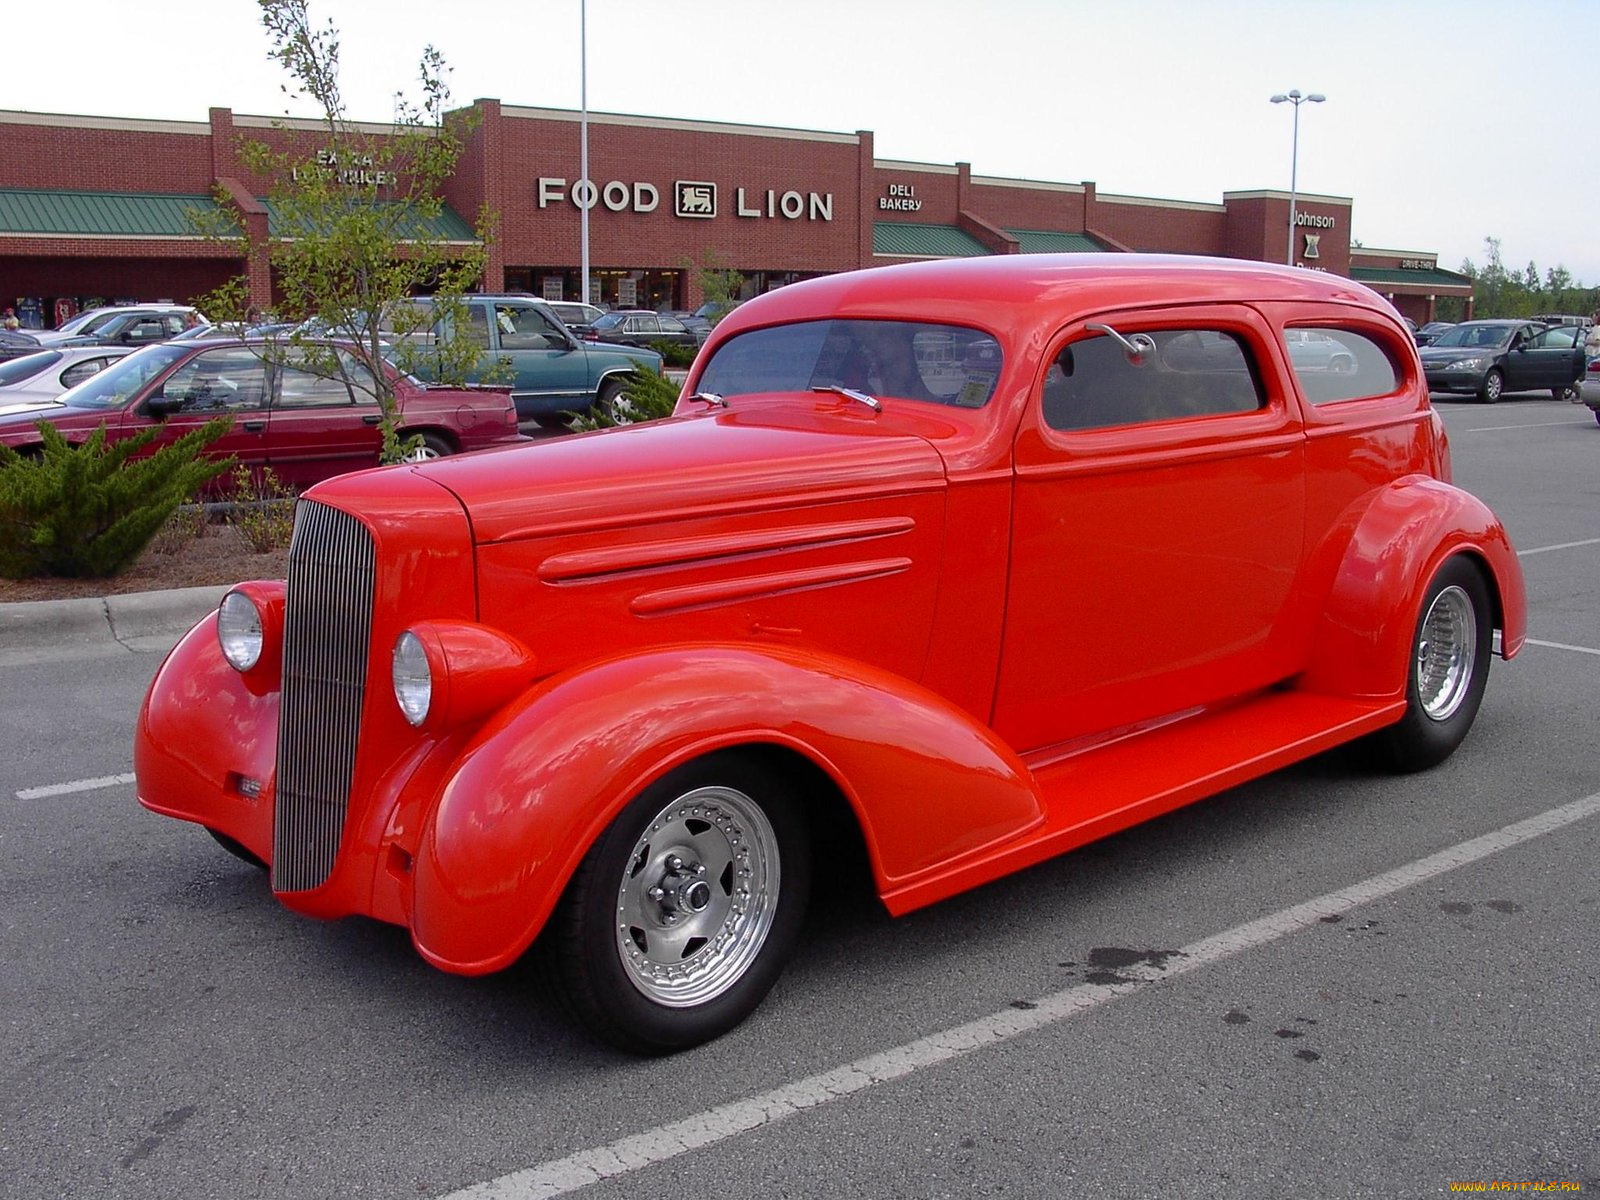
{"type": "Point", "coordinates": [1011, 289]}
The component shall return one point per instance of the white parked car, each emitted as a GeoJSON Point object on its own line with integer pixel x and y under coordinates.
{"type": "Point", "coordinates": [44, 375]}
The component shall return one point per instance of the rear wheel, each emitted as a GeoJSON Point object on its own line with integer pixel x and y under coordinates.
{"type": "Point", "coordinates": [683, 913]}
{"type": "Point", "coordinates": [1493, 384]}
{"type": "Point", "coordinates": [431, 446]}
{"type": "Point", "coordinates": [1448, 670]}
{"type": "Point", "coordinates": [610, 404]}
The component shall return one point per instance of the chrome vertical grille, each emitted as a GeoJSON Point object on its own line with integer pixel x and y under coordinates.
{"type": "Point", "coordinates": [326, 632]}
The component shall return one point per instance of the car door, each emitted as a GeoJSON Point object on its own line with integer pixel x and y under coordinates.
{"type": "Point", "coordinates": [549, 370]}
{"type": "Point", "coordinates": [224, 380]}
{"type": "Point", "coordinates": [322, 424]}
{"type": "Point", "coordinates": [1556, 355]}
{"type": "Point", "coordinates": [1157, 525]}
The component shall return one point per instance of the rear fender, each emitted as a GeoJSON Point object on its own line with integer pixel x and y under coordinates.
{"type": "Point", "coordinates": [538, 785]}
{"type": "Point", "coordinates": [1363, 639]}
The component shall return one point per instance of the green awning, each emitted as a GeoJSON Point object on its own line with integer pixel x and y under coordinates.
{"type": "Point", "coordinates": [899, 239]}
{"type": "Point", "coordinates": [42, 213]}
{"type": "Point", "coordinates": [99, 214]}
{"type": "Point", "coordinates": [448, 226]}
{"type": "Point", "coordinates": [1433, 277]}
{"type": "Point", "coordinates": [1038, 241]}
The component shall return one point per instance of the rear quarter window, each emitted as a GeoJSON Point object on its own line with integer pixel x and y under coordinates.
{"type": "Point", "coordinates": [1339, 364]}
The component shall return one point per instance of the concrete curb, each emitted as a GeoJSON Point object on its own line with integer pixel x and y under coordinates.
{"type": "Point", "coordinates": [139, 622]}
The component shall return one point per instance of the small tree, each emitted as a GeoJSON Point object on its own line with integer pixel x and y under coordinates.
{"type": "Point", "coordinates": [90, 511]}
{"type": "Point", "coordinates": [721, 285]}
{"type": "Point", "coordinates": [358, 226]}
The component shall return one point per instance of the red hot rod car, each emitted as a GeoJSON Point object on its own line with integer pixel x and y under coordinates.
{"type": "Point", "coordinates": [971, 561]}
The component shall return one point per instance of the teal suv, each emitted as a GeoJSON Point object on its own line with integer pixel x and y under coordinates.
{"type": "Point", "coordinates": [524, 344]}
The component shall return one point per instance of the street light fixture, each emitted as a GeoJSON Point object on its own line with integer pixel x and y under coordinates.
{"type": "Point", "coordinates": [1295, 98]}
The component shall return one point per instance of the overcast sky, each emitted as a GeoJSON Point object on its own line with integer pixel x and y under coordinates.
{"type": "Point", "coordinates": [1447, 121]}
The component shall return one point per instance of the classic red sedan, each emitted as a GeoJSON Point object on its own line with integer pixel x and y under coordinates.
{"type": "Point", "coordinates": [971, 562]}
{"type": "Point", "coordinates": [304, 426]}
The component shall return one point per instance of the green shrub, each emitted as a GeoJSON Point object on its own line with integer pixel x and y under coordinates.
{"type": "Point", "coordinates": [262, 509]}
{"type": "Point", "coordinates": [88, 512]}
{"type": "Point", "coordinates": [673, 354]}
{"type": "Point", "coordinates": [646, 396]}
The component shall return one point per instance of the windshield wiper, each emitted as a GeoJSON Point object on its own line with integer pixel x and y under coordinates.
{"type": "Point", "coordinates": [850, 394]}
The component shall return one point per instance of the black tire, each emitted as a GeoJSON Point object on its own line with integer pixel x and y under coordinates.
{"type": "Point", "coordinates": [1446, 673]}
{"type": "Point", "coordinates": [432, 446]}
{"type": "Point", "coordinates": [606, 402]}
{"type": "Point", "coordinates": [237, 849]}
{"type": "Point", "coordinates": [1494, 383]}
{"type": "Point", "coordinates": [656, 946]}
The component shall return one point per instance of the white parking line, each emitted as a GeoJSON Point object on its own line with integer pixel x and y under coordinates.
{"type": "Point", "coordinates": [77, 785]}
{"type": "Point", "coordinates": [1561, 646]}
{"type": "Point", "coordinates": [1538, 425]}
{"type": "Point", "coordinates": [1558, 546]}
{"type": "Point", "coordinates": [630, 1154]}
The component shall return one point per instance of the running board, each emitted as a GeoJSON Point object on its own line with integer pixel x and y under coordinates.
{"type": "Point", "coordinates": [1096, 792]}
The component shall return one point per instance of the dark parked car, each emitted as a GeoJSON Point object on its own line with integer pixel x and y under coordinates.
{"type": "Point", "coordinates": [305, 427]}
{"type": "Point", "coordinates": [525, 344]}
{"type": "Point", "coordinates": [1430, 332]}
{"type": "Point", "coordinates": [132, 325]}
{"type": "Point", "coordinates": [641, 327]}
{"type": "Point", "coordinates": [1489, 358]}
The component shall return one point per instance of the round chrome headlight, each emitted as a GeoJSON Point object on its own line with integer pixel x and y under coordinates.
{"type": "Point", "coordinates": [413, 678]}
{"type": "Point", "coordinates": [239, 631]}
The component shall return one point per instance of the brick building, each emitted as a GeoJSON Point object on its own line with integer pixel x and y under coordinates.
{"type": "Point", "coordinates": [99, 209]}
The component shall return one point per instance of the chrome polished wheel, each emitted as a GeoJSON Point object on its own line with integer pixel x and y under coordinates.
{"type": "Point", "coordinates": [698, 897]}
{"type": "Point", "coordinates": [1446, 653]}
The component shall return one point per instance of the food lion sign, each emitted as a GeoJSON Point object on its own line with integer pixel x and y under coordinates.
{"type": "Point", "coordinates": [691, 198]}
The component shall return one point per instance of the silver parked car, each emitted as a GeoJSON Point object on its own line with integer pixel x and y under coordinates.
{"type": "Point", "coordinates": [47, 373]}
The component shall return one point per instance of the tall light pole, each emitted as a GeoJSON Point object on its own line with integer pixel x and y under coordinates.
{"type": "Point", "coordinates": [1295, 98]}
{"type": "Point", "coordinates": [583, 140]}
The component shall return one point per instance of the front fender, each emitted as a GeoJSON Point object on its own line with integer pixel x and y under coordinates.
{"type": "Point", "coordinates": [538, 785]}
{"type": "Point", "coordinates": [1363, 639]}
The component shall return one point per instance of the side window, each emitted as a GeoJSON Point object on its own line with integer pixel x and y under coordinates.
{"type": "Point", "coordinates": [360, 377]}
{"type": "Point", "coordinates": [527, 329]}
{"type": "Point", "coordinates": [146, 329]}
{"type": "Point", "coordinates": [1338, 364]}
{"type": "Point", "coordinates": [302, 389]}
{"type": "Point", "coordinates": [409, 324]}
{"type": "Point", "coordinates": [1096, 383]}
{"type": "Point", "coordinates": [78, 372]}
{"type": "Point", "coordinates": [226, 380]}
{"type": "Point", "coordinates": [1562, 337]}
{"type": "Point", "coordinates": [477, 330]}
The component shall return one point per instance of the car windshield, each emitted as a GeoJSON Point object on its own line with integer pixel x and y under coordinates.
{"type": "Point", "coordinates": [940, 364]}
{"type": "Point", "coordinates": [1476, 335]}
{"type": "Point", "coordinates": [609, 321]}
{"type": "Point", "coordinates": [122, 380]}
{"type": "Point", "coordinates": [87, 321]}
{"type": "Point", "coordinates": [27, 366]}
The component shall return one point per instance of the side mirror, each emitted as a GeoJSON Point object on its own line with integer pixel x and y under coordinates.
{"type": "Point", "coordinates": [161, 405]}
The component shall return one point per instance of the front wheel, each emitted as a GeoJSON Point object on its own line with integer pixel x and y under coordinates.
{"type": "Point", "coordinates": [1449, 668]}
{"type": "Point", "coordinates": [1493, 384]}
{"type": "Point", "coordinates": [682, 915]}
